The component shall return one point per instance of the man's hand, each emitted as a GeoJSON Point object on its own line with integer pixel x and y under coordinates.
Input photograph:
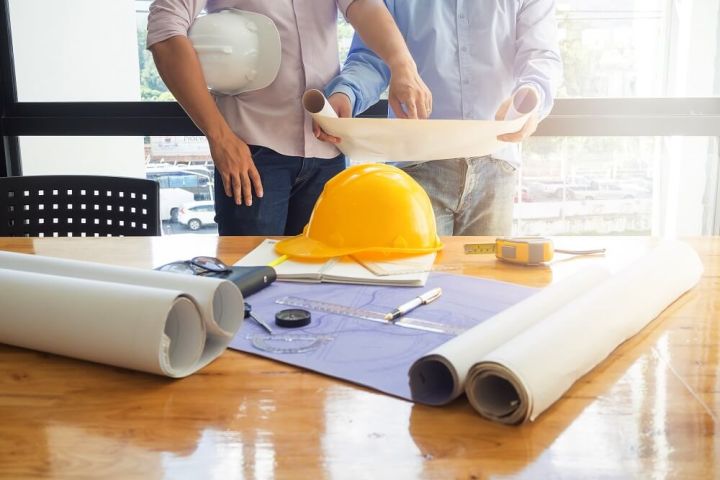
{"type": "Point", "coordinates": [236, 167]}
{"type": "Point", "coordinates": [409, 97]}
{"type": "Point", "coordinates": [341, 104]}
{"type": "Point", "coordinates": [527, 129]}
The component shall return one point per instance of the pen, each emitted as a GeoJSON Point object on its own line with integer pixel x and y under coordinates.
{"type": "Point", "coordinates": [278, 261]}
{"type": "Point", "coordinates": [406, 307]}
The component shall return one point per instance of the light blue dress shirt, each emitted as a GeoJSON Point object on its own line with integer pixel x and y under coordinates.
{"type": "Point", "coordinates": [472, 54]}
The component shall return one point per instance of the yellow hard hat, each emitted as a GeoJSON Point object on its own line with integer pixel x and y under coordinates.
{"type": "Point", "coordinates": [368, 208]}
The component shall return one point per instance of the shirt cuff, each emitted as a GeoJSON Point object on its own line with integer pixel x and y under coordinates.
{"type": "Point", "coordinates": [343, 5]}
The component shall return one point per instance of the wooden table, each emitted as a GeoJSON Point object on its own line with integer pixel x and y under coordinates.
{"type": "Point", "coordinates": [649, 411]}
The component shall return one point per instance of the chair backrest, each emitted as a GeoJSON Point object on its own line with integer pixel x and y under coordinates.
{"type": "Point", "coordinates": [78, 206]}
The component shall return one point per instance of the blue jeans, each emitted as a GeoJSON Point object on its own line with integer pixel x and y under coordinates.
{"type": "Point", "coordinates": [469, 196]}
{"type": "Point", "coordinates": [291, 186]}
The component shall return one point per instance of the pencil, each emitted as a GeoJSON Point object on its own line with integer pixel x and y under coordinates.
{"type": "Point", "coordinates": [278, 261]}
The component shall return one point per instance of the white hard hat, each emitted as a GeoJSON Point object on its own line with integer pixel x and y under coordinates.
{"type": "Point", "coordinates": [239, 51]}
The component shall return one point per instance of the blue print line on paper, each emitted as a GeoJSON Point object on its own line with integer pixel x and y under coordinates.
{"type": "Point", "coordinates": [370, 353]}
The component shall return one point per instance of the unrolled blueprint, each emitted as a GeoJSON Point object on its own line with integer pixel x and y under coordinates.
{"type": "Point", "coordinates": [395, 140]}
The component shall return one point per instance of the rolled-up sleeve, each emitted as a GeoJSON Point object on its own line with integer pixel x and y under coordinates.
{"type": "Point", "coordinates": [537, 61]}
{"type": "Point", "coordinates": [343, 5]}
{"type": "Point", "coordinates": [171, 18]}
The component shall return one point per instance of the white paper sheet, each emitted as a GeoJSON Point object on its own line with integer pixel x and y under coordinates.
{"type": "Point", "coordinates": [157, 322]}
{"type": "Point", "coordinates": [411, 271]}
{"type": "Point", "coordinates": [520, 362]}
{"type": "Point", "coordinates": [393, 140]}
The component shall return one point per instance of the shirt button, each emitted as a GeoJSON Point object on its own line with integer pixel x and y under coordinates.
{"type": "Point", "coordinates": [464, 49]}
{"type": "Point", "coordinates": [461, 16]}
{"type": "Point", "coordinates": [466, 81]}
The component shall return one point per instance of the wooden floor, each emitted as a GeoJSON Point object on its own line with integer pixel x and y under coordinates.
{"type": "Point", "coordinates": [650, 410]}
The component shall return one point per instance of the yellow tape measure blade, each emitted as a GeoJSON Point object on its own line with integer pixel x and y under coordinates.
{"type": "Point", "coordinates": [479, 248]}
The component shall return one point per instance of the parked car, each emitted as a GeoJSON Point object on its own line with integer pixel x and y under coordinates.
{"type": "Point", "coordinates": [602, 191]}
{"type": "Point", "coordinates": [196, 215]}
{"type": "Point", "coordinates": [179, 185]}
{"type": "Point", "coordinates": [551, 190]}
{"type": "Point", "coordinates": [171, 199]}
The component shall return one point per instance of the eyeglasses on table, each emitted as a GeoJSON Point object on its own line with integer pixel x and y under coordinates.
{"type": "Point", "coordinates": [201, 265]}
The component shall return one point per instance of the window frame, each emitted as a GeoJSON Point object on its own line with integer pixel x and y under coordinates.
{"type": "Point", "coordinates": [683, 116]}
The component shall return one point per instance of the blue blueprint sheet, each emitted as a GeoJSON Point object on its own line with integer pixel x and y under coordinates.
{"type": "Point", "coordinates": [369, 353]}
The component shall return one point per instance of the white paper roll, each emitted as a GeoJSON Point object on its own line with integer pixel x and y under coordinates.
{"type": "Point", "coordinates": [528, 373]}
{"type": "Point", "coordinates": [316, 104]}
{"type": "Point", "coordinates": [156, 322]}
{"type": "Point", "coordinates": [524, 101]}
{"type": "Point", "coordinates": [216, 298]}
{"type": "Point", "coordinates": [439, 377]}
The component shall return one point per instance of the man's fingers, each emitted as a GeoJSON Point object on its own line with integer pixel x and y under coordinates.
{"type": "Point", "coordinates": [397, 108]}
{"type": "Point", "coordinates": [412, 111]}
{"type": "Point", "coordinates": [511, 137]}
{"type": "Point", "coordinates": [246, 188]}
{"type": "Point", "coordinates": [256, 181]}
{"type": "Point", "coordinates": [328, 138]}
{"type": "Point", "coordinates": [237, 189]}
{"type": "Point", "coordinates": [422, 110]}
{"type": "Point", "coordinates": [322, 136]}
{"type": "Point", "coordinates": [227, 184]}
{"type": "Point", "coordinates": [527, 130]}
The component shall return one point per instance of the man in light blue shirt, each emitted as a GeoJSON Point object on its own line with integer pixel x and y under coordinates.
{"type": "Point", "coordinates": [473, 55]}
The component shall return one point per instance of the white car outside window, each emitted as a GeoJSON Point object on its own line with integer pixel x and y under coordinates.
{"type": "Point", "coordinates": [196, 215]}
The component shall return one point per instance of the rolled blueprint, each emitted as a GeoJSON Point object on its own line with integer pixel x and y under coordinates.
{"type": "Point", "coordinates": [393, 140]}
{"type": "Point", "coordinates": [316, 104]}
{"type": "Point", "coordinates": [157, 322]}
{"type": "Point", "coordinates": [525, 375]}
{"type": "Point", "coordinates": [439, 377]}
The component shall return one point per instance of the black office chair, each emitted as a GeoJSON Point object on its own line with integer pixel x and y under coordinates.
{"type": "Point", "coordinates": [78, 206]}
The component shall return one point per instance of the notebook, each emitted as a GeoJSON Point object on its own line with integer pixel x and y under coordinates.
{"type": "Point", "coordinates": [407, 271]}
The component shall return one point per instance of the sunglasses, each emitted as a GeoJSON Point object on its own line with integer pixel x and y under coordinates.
{"type": "Point", "coordinates": [196, 266]}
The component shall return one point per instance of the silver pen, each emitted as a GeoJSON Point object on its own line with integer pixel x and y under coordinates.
{"type": "Point", "coordinates": [423, 299]}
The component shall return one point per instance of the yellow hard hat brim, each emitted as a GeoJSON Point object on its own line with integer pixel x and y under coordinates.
{"type": "Point", "coordinates": [304, 247]}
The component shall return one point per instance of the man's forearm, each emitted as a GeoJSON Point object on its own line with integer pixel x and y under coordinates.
{"type": "Point", "coordinates": [180, 69]}
{"type": "Point", "coordinates": [378, 30]}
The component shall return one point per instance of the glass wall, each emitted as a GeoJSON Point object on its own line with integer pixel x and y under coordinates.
{"type": "Point", "coordinates": [617, 185]}
{"type": "Point", "coordinates": [74, 51]}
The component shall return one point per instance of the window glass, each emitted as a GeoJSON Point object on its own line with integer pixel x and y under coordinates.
{"type": "Point", "coordinates": [185, 173]}
{"type": "Point", "coordinates": [613, 48]}
{"type": "Point", "coordinates": [610, 48]}
{"type": "Point", "coordinates": [639, 48]}
{"type": "Point", "coordinates": [183, 167]}
{"type": "Point", "coordinates": [616, 185]}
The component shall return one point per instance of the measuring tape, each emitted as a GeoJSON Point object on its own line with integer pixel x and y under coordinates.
{"type": "Point", "coordinates": [333, 308]}
{"type": "Point", "coordinates": [523, 250]}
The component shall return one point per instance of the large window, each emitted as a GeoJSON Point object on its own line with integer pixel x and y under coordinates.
{"type": "Point", "coordinates": [617, 185]}
{"type": "Point", "coordinates": [630, 148]}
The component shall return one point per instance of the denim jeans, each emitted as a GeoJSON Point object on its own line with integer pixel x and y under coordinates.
{"type": "Point", "coordinates": [470, 196]}
{"type": "Point", "coordinates": [291, 187]}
